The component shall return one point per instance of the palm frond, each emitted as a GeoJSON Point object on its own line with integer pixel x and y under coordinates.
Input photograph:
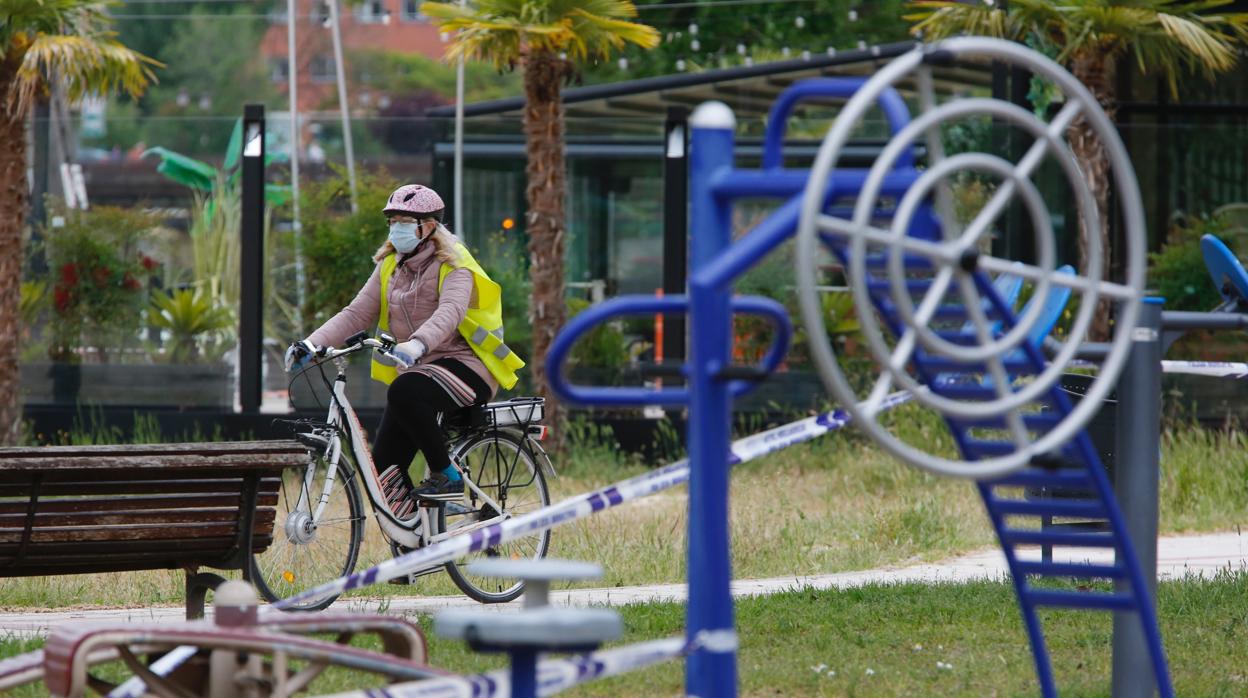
{"type": "Point", "coordinates": [1167, 37]}
{"type": "Point", "coordinates": [500, 31]}
{"type": "Point", "coordinates": [21, 21]}
{"type": "Point", "coordinates": [1206, 46]}
{"type": "Point", "coordinates": [939, 19]}
{"type": "Point", "coordinates": [614, 33]}
{"type": "Point", "coordinates": [84, 65]}
{"type": "Point", "coordinates": [445, 12]}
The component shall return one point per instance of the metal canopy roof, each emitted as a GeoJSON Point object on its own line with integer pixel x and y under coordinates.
{"type": "Point", "coordinates": [749, 90]}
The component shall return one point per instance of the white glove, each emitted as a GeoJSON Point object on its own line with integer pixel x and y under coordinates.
{"type": "Point", "coordinates": [298, 354]}
{"type": "Point", "coordinates": [409, 352]}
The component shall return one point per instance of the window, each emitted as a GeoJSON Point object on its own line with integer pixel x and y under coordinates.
{"type": "Point", "coordinates": [321, 68]}
{"type": "Point", "coordinates": [279, 70]}
{"type": "Point", "coordinates": [412, 13]}
{"type": "Point", "coordinates": [371, 12]}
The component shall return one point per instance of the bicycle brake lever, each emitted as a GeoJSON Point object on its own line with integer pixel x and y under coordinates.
{"type": "Point", "coordinates": [396, 359]}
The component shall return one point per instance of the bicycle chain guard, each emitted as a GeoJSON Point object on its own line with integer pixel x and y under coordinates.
{"type": "Point", "coordinates": [931, 319]}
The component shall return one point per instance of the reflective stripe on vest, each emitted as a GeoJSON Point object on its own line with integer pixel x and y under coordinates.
{"type": "Point", "coordinates": [482, 326]}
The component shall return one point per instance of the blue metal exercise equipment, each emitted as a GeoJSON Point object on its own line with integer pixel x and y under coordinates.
{"type": "Point", "coordinates": [929, 308]}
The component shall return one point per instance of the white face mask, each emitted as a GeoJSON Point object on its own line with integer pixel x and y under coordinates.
{"type": "Point", "coordinates": [404, 236]}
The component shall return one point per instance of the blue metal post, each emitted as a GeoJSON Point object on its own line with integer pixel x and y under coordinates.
{"type": "Point", "coordinates": [523, 673]}
{"type": "Point", "coordinates": [712, 670]}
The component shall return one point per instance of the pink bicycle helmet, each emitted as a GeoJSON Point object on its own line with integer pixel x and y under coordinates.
{"type": "Point", "coordinates": [416, 201]}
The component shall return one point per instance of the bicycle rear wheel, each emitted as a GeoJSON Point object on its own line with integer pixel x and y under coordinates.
{"type": "Point", "coordinates": [506, 468]}
{"type": "Point", "coordinates": [304, 553]}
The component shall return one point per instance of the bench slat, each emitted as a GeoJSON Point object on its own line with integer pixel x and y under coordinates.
{"type": "Point", "coordinates": [141, 502]}
{"type": "Point", "coordinates": [140, 532]}
{"type": "Point", "coordinates": [178, 552]}
{"type": "Point", "coordinates": [189, 448]}
{"type": "Point", "coordinates": [53, 489]}
{"type": "Point", "coordinates": [10, 523]}
{"type": "Point", "coordinates": [51, 463]}
{"type": "Point", "coordinates": [192, 544]}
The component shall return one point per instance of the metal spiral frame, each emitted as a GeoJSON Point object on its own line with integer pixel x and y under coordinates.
{"type": "Point", "coordinates": [957, 266]}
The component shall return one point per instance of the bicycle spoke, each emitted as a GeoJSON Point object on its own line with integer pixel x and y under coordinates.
{"type": "Point", "coordinates": [304, 554]}
{"type": "Point", "coordinates": [504, 470]}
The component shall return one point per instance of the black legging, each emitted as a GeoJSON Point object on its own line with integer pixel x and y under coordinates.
{"type": "Point", "coordinates": [410, 421]}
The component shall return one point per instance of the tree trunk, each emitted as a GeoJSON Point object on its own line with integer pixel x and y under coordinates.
{"type": "Point", "coordinates": [1095, 70]}
{"type": "Point", "coordinates": [12, 220]}
{"type": "Point", "coordinates": [544, 74]}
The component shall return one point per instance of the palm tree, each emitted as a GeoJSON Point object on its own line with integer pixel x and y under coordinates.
{"type": "Point", "coordinates": [547, 38]}
{"type": "Point", "coordinates": [41, 39]}
{"type": "Point", "coordinates": [1164, 37]}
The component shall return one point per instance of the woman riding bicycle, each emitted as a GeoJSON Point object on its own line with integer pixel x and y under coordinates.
{"type": "Point", "coordinates": [431, 295]}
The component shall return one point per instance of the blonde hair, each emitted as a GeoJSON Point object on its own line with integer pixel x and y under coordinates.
{"type": "Point", "coordinates": [443, 239]}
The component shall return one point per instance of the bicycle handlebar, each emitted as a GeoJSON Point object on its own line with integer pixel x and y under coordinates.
{"type": "Point", "coordinates": [380, 346]}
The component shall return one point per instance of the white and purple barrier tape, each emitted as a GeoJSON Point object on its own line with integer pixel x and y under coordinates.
{"type": "Point", "coordinates": [580, 506]}
{"type": "Point", "coordinates": [570, 509]}
{"type": "Point", "coordinates": [1217, 369]}
{"type": "Point", "coordinates": [553, 675]}
{"type": "Point", "coordinates": [1221, 369]}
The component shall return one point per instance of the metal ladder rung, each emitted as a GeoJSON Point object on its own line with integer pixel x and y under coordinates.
{"type": "Point", "coordinates": [911, 285]}
{"type": "Point", "coordinates": [980, 447]}
{"type": "Point", "coordinates": [943, 312]}
{"type": "Point", "coordinates": [939, 364]}
{"type": "Point", "coordinates": [1081, 599]}
{"type": "Point", "coordinates": [1038, 477]}
{"type": "Point", "coordinates": [1071, 569]}
{"type": "Point", "coordinates": [958, 337]}
{"type": "Point", "coordinates": [1049, 507]}
{"type": "Point", "coordinates": [911, 262]}
{"type": "Point", "coordinates": [1014, 536]}
{"type": "Point", "coordinates": [1036, 422]}
{"type": "Point", "coordinates": [964, 391]}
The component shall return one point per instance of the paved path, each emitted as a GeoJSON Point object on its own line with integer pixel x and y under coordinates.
{"type": "Point", "coordinates": [1203, 555]}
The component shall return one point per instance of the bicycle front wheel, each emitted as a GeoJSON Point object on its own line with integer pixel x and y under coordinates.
{"type": "Point", "coordinates": [505, 467]}
{"type": "Point", "coordinates": [307, 550]}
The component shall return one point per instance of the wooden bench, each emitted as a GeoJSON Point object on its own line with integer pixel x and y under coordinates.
{"type": "Point", "coordinates": [91, 509]}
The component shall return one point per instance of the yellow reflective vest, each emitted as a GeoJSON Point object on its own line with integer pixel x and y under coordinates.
{"type": "Point", "coordinates": [482, 326]}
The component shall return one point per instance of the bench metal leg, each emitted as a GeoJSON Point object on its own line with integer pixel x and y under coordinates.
{"type": "Point", "coordinates": [197, 587]}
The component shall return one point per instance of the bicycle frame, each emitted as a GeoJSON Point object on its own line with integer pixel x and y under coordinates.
{"type": "Point", "coordinates": [412, 532]}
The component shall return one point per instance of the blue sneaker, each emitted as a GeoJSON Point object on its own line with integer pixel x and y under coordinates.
{"type": "Point", "coordinates": [439, 487]}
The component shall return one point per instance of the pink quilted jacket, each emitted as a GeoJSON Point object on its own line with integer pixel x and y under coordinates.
{"type": "Point", "coordinates": [417, 311]}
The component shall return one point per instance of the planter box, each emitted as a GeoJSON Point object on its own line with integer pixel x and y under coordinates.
{"type": "Point", "coordinates": [128, 384]}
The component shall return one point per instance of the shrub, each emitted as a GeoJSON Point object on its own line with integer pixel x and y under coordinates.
{"type": "Point", "coordinates": [603, 347]}
{"type": "Point", "coordinates": [1178, 271]}
{"type": "Point", "coordinates": [338, 245]}
{"type": "Point", "coordinates": [192, 318]}
{"type": "Point", "coordinates": [99, 278]}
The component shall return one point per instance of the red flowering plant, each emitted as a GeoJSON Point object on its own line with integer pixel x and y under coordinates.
{"type": "Point", "coordinates": [99, 280]}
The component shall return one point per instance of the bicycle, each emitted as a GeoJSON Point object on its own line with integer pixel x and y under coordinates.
{"type": "Point", "coordinates": [320, 511]}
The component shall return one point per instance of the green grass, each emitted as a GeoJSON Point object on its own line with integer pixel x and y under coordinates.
{"type": "Point", "coordinates": [1204, 479]}
{"type": "Point", "coordinates": [835, 504]}
{"type": "Point", "coordinates": [900, 632]}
